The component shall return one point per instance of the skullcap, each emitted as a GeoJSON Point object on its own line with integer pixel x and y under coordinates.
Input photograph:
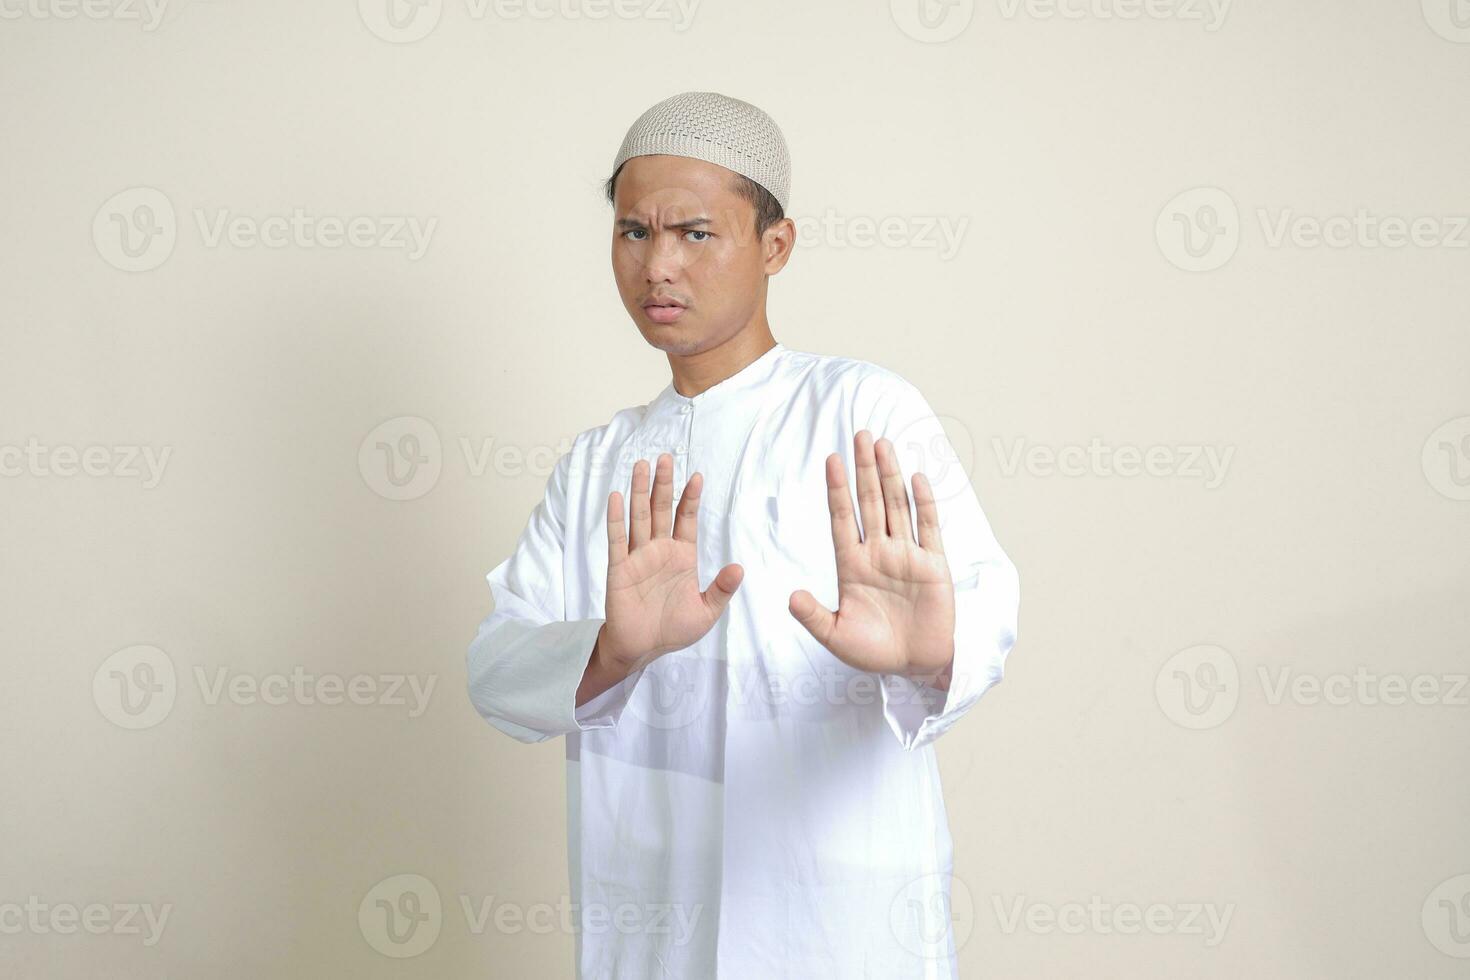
{"type": "Point", "coordinates": [717, 129]}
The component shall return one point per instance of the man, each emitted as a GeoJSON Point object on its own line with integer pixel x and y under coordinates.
{"type": "Point", "coordinates": [749, 682]}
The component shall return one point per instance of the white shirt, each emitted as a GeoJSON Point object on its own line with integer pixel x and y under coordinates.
{"type": "Point", "coordinates": [748, 806]}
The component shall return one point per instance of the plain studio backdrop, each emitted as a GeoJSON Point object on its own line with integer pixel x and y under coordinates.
{"type": "Point", "coordinates": [301, 301]}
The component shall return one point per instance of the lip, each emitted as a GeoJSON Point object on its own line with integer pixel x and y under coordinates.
{"type": "Point", "coordinates": [663, 314]}
{"type": "Point", "coordinates": [663, 310]}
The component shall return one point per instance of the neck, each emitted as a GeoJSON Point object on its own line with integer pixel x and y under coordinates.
{"type": "Point", "coordinates": [694, 373]}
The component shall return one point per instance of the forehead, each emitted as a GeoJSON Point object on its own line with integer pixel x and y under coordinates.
{"type": "Point", "coordinates": [673, 187]}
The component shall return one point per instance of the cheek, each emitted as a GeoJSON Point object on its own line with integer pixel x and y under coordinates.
{"type": "Point", "coordinates": [721, 269]}
{"type": "Point", "coordinates": [624, 265]}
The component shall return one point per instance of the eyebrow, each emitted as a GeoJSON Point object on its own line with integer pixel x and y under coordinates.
{"type": "Point", "coordinates": [634, 223]}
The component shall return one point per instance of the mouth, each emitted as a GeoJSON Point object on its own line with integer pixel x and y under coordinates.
{"type": "Point", "coordinates": [663, 311]}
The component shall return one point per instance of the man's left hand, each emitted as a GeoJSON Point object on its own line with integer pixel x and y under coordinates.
{"type": "Point", "coordinates": [895, 600]}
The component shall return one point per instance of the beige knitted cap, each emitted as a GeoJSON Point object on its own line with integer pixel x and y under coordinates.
{"type": "Point", "coordinates": [717, 129]}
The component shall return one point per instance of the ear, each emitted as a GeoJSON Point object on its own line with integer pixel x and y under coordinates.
{"type": "Point", "coordinates": [776, 245]}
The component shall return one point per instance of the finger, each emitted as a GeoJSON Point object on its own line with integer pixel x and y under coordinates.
{"type": "Point", "coordinates": [839, 505]}
{"type": "Point", "coordinates": [663, 496]}
{"type": "Point", "coordinates": [686, 521]}
{"type": "Point", "coordinates": [869, 493]}
{"type": "Point", "coordinates": [818, 620]}
{"type": "Point", "coordinates": [638, 516]}
{"type": "Point", "coordinates": [617, 536]}
{"type": "Point", "coordinates": [717, 596]}
{"type": "Point", "coordinates": [895, 494]}
{"type": "Point", "coordinates": [928, 515]}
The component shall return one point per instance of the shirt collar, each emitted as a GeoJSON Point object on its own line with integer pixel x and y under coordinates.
{"type": "Point", "coordinates": [722, 392]}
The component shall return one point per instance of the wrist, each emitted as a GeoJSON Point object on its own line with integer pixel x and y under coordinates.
{"type": "Point", "coordinates": [608, 659]}
{"type": "Point", "coordinates": [601, 673]}
{"type": "Point", "coordinates": [937, 677]}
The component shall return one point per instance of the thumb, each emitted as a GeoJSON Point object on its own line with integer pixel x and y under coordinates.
{"type": "Point", "coordinates": [817, 619]}
{"type": "Point", "coordinates": [717, 596]}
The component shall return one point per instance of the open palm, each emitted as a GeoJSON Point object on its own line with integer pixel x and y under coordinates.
{"type": "Point", "coordinates": [654, 604]}
{"type": "Point", "coordinates": [895, 599]}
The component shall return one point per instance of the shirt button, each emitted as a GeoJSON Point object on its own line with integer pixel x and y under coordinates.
{"type": "Point", "coordinates": [679, 450]}
{"type": "Point", "coordinates": [686, 408]}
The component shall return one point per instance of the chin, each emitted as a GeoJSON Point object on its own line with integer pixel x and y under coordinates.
{"type": "Point", "coordinates": [673, 338]}
{"type": "Point", "coordinates": [682, 346]}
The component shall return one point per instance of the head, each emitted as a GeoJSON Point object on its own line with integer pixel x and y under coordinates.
{"type": "Point", "coordinates": [696, 239]}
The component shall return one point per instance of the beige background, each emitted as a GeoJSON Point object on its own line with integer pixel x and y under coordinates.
{"type": "Point", "coordinates": [1071, 152]}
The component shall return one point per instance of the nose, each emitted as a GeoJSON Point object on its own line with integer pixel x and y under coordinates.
{"type": "Point", "coordinates": [665, 259]}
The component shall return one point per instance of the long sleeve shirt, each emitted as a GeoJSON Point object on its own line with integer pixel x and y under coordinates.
{"type": "Point", "coordinates": [749, 805]}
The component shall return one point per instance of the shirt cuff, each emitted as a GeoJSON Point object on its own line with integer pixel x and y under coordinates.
{"type": "Point", "coordinates": [917, 713]}
{"type": "Point", "coordinates": [604, 710]}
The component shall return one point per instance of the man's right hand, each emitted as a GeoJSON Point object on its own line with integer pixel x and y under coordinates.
{"type": "Point", "coordinates": [654, 605]}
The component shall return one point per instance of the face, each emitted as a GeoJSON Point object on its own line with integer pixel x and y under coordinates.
{"type": "Point", "coordinates": [690, 269]}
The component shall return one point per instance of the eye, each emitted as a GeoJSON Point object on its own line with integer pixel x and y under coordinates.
{"type": "Point", "coordinates": [695, 231]}
{"type": "Point", "coordinates": [635, 231]}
